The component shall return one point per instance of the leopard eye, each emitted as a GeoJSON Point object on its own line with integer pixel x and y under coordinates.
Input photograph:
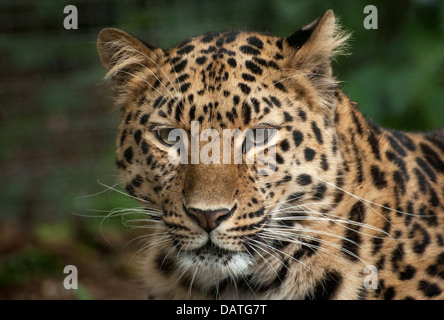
{"type": "Point", "coordinates": [257, 137]}
{"type": "Point", "coordinates": [262, 136]}
{"type": "Point", "coordinates": [163, 135]}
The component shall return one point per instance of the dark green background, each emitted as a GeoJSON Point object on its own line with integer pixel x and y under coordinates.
{"type": "Point", "coordinates": [57, 124]}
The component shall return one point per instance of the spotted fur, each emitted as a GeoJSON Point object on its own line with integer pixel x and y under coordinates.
{"type": "Point", "coordinates": [345, 194]}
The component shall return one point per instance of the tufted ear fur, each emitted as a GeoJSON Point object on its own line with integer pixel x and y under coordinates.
{"type": "Point", "coordinates": [124, 56]}
{"type": "Point", "coordinates": [312, 48]}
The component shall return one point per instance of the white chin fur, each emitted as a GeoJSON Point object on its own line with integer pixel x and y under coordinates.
{"type": "Point", "coordinates": [207, 270]}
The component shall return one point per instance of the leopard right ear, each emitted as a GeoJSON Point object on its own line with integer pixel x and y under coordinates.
{"type": "Point", "coordinates": [313, 47]}
{"type": "Point", "coordinates": [124, 56]}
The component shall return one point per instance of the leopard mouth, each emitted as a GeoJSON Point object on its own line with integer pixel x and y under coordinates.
{"type": "Point", "coordinates": [213, 250]}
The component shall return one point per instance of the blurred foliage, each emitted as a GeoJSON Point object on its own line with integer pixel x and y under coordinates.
{"type": "Point", "coordinates": [57, 126]}
{"type": "Point", "coordinates": [27, 265]}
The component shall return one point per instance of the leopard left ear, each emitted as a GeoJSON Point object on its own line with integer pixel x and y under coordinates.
{"type": "Point", "coordinates": [312, 47]}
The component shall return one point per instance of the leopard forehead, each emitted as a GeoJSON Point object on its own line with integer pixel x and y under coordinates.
{"type": "Point", "coordinates": [225, 79]}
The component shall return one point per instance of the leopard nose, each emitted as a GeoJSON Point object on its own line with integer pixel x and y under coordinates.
{"type": "Point", "coordinates": [209, 219]}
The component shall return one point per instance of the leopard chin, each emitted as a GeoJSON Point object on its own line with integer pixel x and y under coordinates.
{"type": "Point", "coordinates": [208, 265]}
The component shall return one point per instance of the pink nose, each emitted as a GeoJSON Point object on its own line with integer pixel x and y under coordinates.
{"type": "Point", "coordinates": [209, 219]}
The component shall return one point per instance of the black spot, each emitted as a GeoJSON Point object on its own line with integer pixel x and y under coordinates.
{"type": "Point", "coordinates": [397, 256]}
{"type": "Point", "coordinates": [279, 159]}
{"type": "Point", "coordinates": [398, 178]}
{"type": "Point", "coordinates": [399, 163]}
{"type": "Point", "coordinates": [395, 145]}
{"type": "Point", "coordinates": [280, 86]}
{"type": "Point", "coordinates": [437, 269]}
{"type": "Point", "coordinates": [232, 62]}
{"type": "Point", "coordinates": [420, 245]}
{"type": "Point", "coordinates": [160, 101]}
{"type": "Point", "coordinates": [404, 139]}
{"type": "Point", "coordinates": [436, 138]}
{"type": "Point", "coordinates": [378, 177]}
{"type": "Point", "coordinates": [209, 50]}
{"type": "Point", "coordinates": [141, 101]}
{"type": "Point", "coordinates": [249, 50]}
{"type": "Point", "coordinates": [374, 144]}
{"type": "Point", "coordinates": [162, 114]}
{"type": "Point", "coordinates": [179, 110]}
{"type": "Point", "coordinates": [254, 41]}
{"type": "Point", "coordinates": [128, 154]}
{"type": "Point", "coordinates": [144, 119]}
{"type": "Point", "coordinates": [285, 145]}
{"type": "Point", "coordinates": [137, 136]}
{"type": "Point", "coordinates": [246, 113]}
{"type": "Point", "coordinates": [130, 189]}
{"type": "Point", "coordinates": [156, 84]}
{"type": "Point", "coordinates": [236, 100]}
{"type": "Point", "coordinates": [357, 123]}
{"type": "Point", "coordinates": [231, 36]}
{"type": "Point", "coordinates": [432, 158]}
{"type": "Point", "coordinates": [320, 190]}
{"type": "Point", "coordinates": [389, 293]}
{"type": "Point", "coordinates": [377, 244]}
{"type": "Point", "coordinates": [317, 132]}
{"type": "Point", "coordinates": [137, 181]}
{"type": "Point", "coordinates": [254, 68]}
{"type": "Point", "coordinates": [287, 117]}
{"type": "Point", "coordinates": [186, 49]}
{"type": "Point", "coordinates": [248, 77]}
{"type": "Point", "coordinates": [266, 63]}
{"type": "Point", "coordinates": [302, 114]}
{"type": "Point", "coordinates": [422, 182]}
{"type": "Point", "coordinates": [180, 66]}
{"type": "Point", "coordinates": [157, 189]}
{"type": "Point", "coordinates": [220, 42]}
{"type": "Point", "coordinates": [256, 105]}
{"type": "Point", "coordinates": [244, 88]}
{"type": "Point", "coordinates": [209, 36]}
{"type": "Point", "coordinates": [434, 200]}
{"type": "Point", "coordinates": [426, 168]}
{"type": "Point", "coordinates": [334, 144]}
{"type": "Point", "coordinates": [192, 112]}
{"type": "Point", "coordinates": [267, 101]}
{"type": "Point", "coordinates": [352, 237]}
{"type": "Point", "coordinates": [298, 137]}
{"type": "Point", "coordinates": [309, 154]}
{"type": "Point", "coordinates": [324, 162]}
{"type": "Point", "coordinates": [275, 101]}
{"type": "Point", "coordinates": [303, 179]}
{"type": "Point", "coordinates": [408, 273]}
{"type": "Point", "coordinates": [429, 289]}
{"type": "Point", "coordinates": [183, 88]}
{"type": "Point", "coordinates": [144, 147]}
{"type": "Point", "coordinates": [201, 60]}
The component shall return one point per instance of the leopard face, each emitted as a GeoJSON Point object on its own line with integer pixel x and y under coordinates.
{"type": "Point", "coordinates": [222, 220]}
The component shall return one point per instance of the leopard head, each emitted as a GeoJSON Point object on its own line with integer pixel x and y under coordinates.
{"type": "Point", "coordinates": [221, 218]}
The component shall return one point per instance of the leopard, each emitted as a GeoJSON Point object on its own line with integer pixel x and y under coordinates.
{"type": "Point", "coordinates": [349, 210]}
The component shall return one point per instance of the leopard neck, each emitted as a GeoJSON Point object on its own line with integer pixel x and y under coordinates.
{"type": "Point", "coordinates": [361, 144]}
